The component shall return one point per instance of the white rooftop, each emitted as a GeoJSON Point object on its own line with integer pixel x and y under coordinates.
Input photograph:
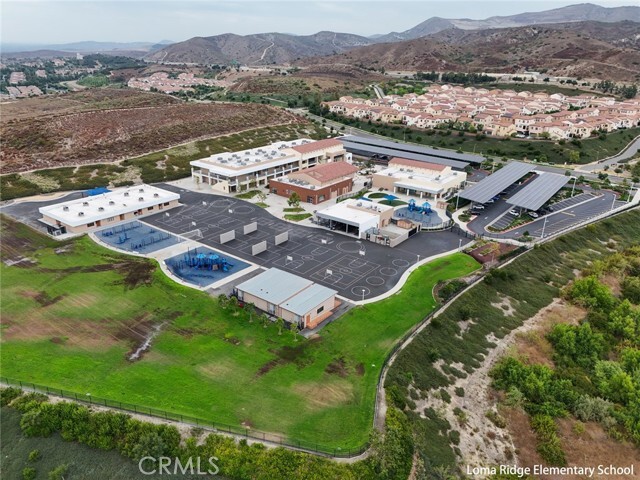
{"type": "Point", "coordinates": [354, 212]}
{"type": "Point", "coordinates": [420, 181]}
{"type": "Point", "coordinates": [120, 201]}
{"type": "Point", "coordinates": [253, 159]}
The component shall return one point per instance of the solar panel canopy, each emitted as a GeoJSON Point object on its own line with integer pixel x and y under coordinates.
{"type": "Point", "coordinates": [538, 191]}
{"type": "Point", "coordinates": [489, 187]}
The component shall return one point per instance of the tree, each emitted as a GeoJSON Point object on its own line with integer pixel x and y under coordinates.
{"type": "Point", "coordinates": [294, 330]}
{"type": "Point", "coordinates": [261, 196]}
{"type": "Point", "coordinates": [233, 303]}
{"type": "Point", "coordinates": [573, 156]}
{"type": "Point", "coordinates": [265, 320]}
{"type": "Point", "coordinates": [223, 301]}
{"type": "Point", "coordinates": [280, 324]}
{"type": "Point", "coordinates": [294, 200]}
{"type": "Point", "coordinates": [251, 310]}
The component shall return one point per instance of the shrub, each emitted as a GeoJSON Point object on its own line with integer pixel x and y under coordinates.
{"type": "Point", "coordinates": [29, 473]}
{"type": "Point", "coordinates": [59, 472]}
{"type": "Point", "coordinates": [589, 409]}
{"type": "Point", "coordinates": [549, 446]}
{"type": "Point", "coordinates": [34, 455]}
{"type": "Point", "coordinates": [8, 395]}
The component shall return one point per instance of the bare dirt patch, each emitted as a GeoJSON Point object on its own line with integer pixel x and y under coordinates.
{"type": "Point", "coordinates": [297, 354]}
{"type": "Point", "coordinates": [114, 133]}
{"type": "Point", "coordinates": [613, 282]}
{"type": "Point", "coordinates": [337, 367]}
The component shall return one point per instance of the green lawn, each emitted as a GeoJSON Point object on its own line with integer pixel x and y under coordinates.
{"type": "Point", "coordinates": [297, 217]}
{"type": "Point", "coordinates": [70, 328]}
{"type": "Point", "coordinates": [249, 194]}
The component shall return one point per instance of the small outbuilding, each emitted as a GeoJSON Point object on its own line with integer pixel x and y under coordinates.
{"type": "Point", "coordinates": [293, 298]}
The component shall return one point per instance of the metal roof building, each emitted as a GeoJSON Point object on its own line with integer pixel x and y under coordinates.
{"type": "Point", "coordinates": [489, 187]}
{"type": "Point", "coordinates": [411, 148]}
{"type": "Point", "coordinates": [538, 191]}
{"type": "Point", "coordinates": [392, 151]}
{"type": "Point", "coordinates": [293, 298]}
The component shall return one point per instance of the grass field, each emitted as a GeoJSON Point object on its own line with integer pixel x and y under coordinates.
{"type": "Point", "coordinates": [83, 461]}
{"type": "Point", "coordinates": [69, 321]}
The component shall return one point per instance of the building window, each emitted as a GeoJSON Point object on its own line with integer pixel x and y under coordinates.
{"type": "Point", "coordinates": [166, 204]}
{"type": "Point", "coordinates": [89, 225]}
{"type": "Point", "coordinates": [320, 198]}
{"type": "Point", "coordinates": [111, 219]}
{"type": "Point", "coordinates": [149, 208]}
{"type": "Point", "coordinates": [271, 308]}
{"type": "Point", "coordinates": [320, 310]}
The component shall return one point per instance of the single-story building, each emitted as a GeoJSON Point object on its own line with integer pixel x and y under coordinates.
{"type": "Point", "coordinates": [86, 214]}
{"type": "Point", "coordinates": [423, 179]}
{"type": "Point", "coordinates": [316, 184]}
{"type": "Point", "coordinates": [356, 216]}
{"type": "Point", "coordinates": [288, 296]}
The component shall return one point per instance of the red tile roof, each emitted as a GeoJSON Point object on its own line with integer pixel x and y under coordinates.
{"type": "Point", "coordinates": [319, 145]}
{"type": "Point", "coordinates": [327, 172]}
{"type": "Point", "coordinates": [416, 164]}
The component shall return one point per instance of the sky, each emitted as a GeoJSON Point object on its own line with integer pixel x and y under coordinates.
{"type": "Point", "coordinates": [55, 22]}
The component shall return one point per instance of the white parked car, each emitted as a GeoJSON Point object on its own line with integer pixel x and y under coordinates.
{"type": "Point", "coordinates": [533, 214]}
{"type": "Point", "coordinates": [513, 212]}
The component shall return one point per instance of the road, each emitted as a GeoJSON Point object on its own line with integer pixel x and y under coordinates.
{"type": "Point", "coordinates": [379, 92]}
{"type": "Point", "coordinates": [629, 152]}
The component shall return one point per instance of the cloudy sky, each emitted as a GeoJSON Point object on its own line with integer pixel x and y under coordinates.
{"type": "Point", "coordinates": [50, 22]}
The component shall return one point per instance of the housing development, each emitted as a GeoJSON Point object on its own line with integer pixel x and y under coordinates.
{"type": "Point", "coordinates": [497, 112]}
{"type": "Point", "coordinates": [341, 255]}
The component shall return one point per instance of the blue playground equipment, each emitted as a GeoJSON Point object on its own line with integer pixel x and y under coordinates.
{"type": "Point", "coordinates": [201, 261]}
{"type": "Point", "coordinates": [390, 197]}
{"type": "Point", "coordinates": [120, 229]}
{"type": "Point", "coordinates": [425, 209]}
{"type": "Point", "coordinates": [145, 242]}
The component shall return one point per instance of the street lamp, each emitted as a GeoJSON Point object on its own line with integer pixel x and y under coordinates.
{"type": "Point", "coordinates": [363, 294]}
{"type": "Point", "coordinates": [459, 244]}
{"type": "Point", "coordinates": [418, 261]}
{"type": "Point", "coordinates": [574, 185]}
{"type": "Point", "coordinates": [544, 225]}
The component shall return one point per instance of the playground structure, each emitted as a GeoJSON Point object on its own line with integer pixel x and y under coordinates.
{"type": "Point", "coordinates": [137, 237]}
{"type": "Point", "coordinates": [202, 261]}
{"type": "Point", "coordinates": [202, 266]}
{"type": "Point", "coordinates": [425, 209]}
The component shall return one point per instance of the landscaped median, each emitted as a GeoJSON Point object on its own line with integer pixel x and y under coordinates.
{"type": "Point", "coordinates": [71, 318]}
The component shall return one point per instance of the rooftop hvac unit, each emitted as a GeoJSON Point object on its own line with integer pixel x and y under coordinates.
{"type": "Point", "coordinates": [141, 199]}
{"type": "Point", "coordinates": [101, 209]}
{"type": "Point", "coordinates": [141, 190]}
{"type": "Point", "coordinates": [111, 202]}
{"type": "Point", "coordinates": [410, 176]}
{"type": "Point", "coordinates": [156, 195]}
{"type": "Point", "coordinates": [402, 169]}
{"type": "Point", "coordinates": [312, 187]}
{"type": "Point", "coordinates": [85, 204]}
{"type": "Point", "coordinates": [65, 209]}
{"type": "Point", "coordinates": [126, 194]}
{"type": "Point", "coordinates": [81, 214]}
{"type": "Point", "coordinates": [283, 154]}
{"type": "Point", "coordinates": [219, 158]}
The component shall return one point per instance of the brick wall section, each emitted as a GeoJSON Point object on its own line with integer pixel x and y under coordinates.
{"type": "Point", "coordinates": [317, 195]}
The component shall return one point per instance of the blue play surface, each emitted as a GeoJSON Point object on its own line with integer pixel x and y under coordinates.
{"type": "Point", "coordinates": [137, 237]}
{"type": "Point", "coordinates": [203, 266]}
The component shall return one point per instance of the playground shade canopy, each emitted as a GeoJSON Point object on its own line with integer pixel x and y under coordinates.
{"type": "Point", "coordinates": [489, 187]}
{"type": "Point", "coordinates": [410, 148]}
{"type": "Point", "coordinates": [538, 191]}
{"type": "Point", "coordinates": [364, 149]}
{"type": "Point", "coordinates": [96, 191]}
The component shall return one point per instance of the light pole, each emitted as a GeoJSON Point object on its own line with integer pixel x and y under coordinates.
{"type": "Point", "coordinates": [574, 185]}
{"type": "Point", "coordinates": [459, 244]}
{"type": "Point", "coordinates": [418, 261]}
{"type": "Point", "coordinates": [363, 294]}
{"type": "Point", "coordinates": [544, 225]}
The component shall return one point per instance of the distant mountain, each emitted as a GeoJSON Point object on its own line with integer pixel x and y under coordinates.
{"type": "Point", "coordinates": [580, 49]}
{"type": "Point", "coordinates": [86, 47]}
{"type": "Point", "coordinates": [572, 13]}
{"type": "Point", "coordinates": [257, 49]}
